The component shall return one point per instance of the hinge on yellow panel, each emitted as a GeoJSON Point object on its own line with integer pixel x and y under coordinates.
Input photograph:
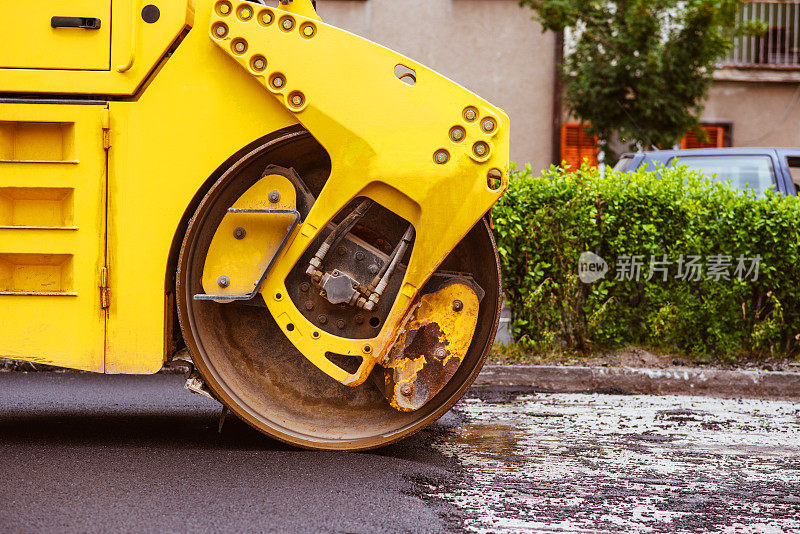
{"type": "Point", "coordinates": [106, 120]}
{"type": "Point", "coordinates": [104, 288]}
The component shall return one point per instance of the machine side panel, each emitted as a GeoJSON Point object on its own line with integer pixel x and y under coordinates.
{"type": "Point", "coordinates": [52, 234]}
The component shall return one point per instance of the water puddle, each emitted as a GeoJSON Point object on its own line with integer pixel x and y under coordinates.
{"type": "Point", "coordinates": [489, 443]}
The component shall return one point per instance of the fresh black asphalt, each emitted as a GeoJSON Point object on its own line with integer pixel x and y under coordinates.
{"type": "Point", "coordinates": [93, 453]}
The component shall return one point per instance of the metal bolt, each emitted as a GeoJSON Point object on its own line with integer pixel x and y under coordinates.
{"type": "Point", "coordinates": [277, 82]}
{"type": "Point", "coordinates": [304, 287]}
{"type": "Point", "coordinates": [458, 305]}
{"type": "Point", "coordinates": [406, 390]}
{"type": "Point", "coordinates": [223, 281]}
{"type": "Point", "coordinates": [359, 319]}
{"type": "Point", "coordinates": [315, 335]}
{"type": "Point", "coordinates": [245, 13]}
{"type": "Point", "coordinates": [360, 256]}
{"type": "Point", "coordinates": [287, 24]}
{"type": "Point", "coordinates": [322, 319]}
{"type": "Point", "coordinates": [480, 149]}
{"type": "Point", "coordinates": [309, 305]}
{"type": "Point", "coordinates": [224, 9]}
{"type": "Point", "coordinates": [297, 100]}
{"type": "Point", "coordinates": [341, 250]}
{"type": "Point", "coordinates": [457, 134]}
{"type": "Point", "coordinates": [239, 233]}
{"type": "Point", "coordinates": [221, 30]}
{"type": "Point", "coordinates": [240, 47]}
{"type": "Point", "coordinates": [373, 269]}
{"type": "Point", "coordinates": [340, 324]}
{"type": "Point", "coordinates": [266, 18]}
{"type": "Point", "coordinates": [441, 157]}
{"type": "Point", "coordinates": [308, 30]}
{"type": "Point", "coordinates": [335, 273]}
{"type": "Point", "coordinates": [259, 64]}
{"type": "Point", "coordinates": [274, 197]}
{"type": "Point", "coordinates": [440, 353]}
{"type": "Point", "coordinates": [355, 285]}
{"type": "Point", "coordinates": [488, 125]}
{"type": "Point", "coordinates": [470, 114]}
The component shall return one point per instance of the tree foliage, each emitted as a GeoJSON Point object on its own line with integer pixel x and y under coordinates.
{"type": "Point", "coordinates": [639, 70]}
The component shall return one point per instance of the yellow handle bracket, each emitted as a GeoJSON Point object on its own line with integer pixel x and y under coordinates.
{"type": "Point", "coordinates": [125, 67]}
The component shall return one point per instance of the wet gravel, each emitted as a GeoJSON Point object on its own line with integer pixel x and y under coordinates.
{"type": "Point", "coordinates": [624, 463]}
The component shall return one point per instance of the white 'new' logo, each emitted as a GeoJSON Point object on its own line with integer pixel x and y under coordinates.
{"type": "Point", "coordinates": [591, 267]}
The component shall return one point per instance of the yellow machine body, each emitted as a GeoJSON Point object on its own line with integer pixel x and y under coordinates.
{"type": "Point", "coordinates": [95, 191]}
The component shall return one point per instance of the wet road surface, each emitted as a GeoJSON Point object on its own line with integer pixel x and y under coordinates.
{"type": "Point", "coordinates": [89, 453]}
{"type": "Point", "coordinates": [618, 463]}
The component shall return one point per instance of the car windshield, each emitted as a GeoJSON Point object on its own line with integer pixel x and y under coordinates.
{"type": "Point", "coordinates": [754, 172]}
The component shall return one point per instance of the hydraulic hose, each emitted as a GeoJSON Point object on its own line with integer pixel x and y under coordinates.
{"type": "Point", "coordinates": [335, 237]}
{"type": "Point", "coordinates": [383, 278]}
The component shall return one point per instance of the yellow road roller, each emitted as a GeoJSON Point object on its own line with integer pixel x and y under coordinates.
{"type": "Point", "coordinates": [305, 211]}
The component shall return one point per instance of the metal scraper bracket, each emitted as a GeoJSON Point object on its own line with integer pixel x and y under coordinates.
{"type": "Point", "coordinates": [257, 286]}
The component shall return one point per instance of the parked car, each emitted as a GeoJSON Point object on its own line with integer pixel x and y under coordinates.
{"type": "Point", "coordinates": [755, 168]}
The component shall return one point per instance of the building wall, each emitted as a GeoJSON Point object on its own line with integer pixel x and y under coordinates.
{"type": "Point", "coordinates": [761, 113]}
{"type": "Point", "coordinates": [491, 47]}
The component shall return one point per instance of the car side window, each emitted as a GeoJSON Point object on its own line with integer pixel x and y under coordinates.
{"type": "Point", "coordinates": [753, 172]}
{"type": "Point", "coordinates": [794, 168]}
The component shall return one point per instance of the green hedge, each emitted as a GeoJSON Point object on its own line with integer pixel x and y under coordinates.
{"type": "Point", "coordinates": [545, 222]}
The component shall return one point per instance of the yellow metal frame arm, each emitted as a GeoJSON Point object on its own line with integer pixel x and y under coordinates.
{"type": "Point", "coordinates": [426, 148]}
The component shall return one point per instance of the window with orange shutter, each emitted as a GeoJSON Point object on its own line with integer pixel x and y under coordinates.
{"type": "Point", "coordinates": [577, 145]}
{"type": "Point", "coordinates": [716, 138]}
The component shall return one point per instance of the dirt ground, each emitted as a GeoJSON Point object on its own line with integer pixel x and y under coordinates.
{"type": "Point", "coordinates": [636, 357]}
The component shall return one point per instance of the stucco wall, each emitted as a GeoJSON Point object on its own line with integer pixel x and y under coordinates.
{"type": "Point", "coordinates": [756, 110]}
{"type": "Point", "coordinates": [491, 47]}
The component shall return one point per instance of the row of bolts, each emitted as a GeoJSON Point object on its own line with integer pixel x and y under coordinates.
{"type": "Point", "coordinates": [457, 134]}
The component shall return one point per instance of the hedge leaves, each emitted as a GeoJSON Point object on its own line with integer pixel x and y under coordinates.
{"type": "Point", "coordinates": [722, 264]}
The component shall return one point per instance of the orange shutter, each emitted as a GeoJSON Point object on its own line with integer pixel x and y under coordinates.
{"type": "Point", "coordinates": [577, 145]}
{"type": "Point", "coordinates": [716, 138]}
